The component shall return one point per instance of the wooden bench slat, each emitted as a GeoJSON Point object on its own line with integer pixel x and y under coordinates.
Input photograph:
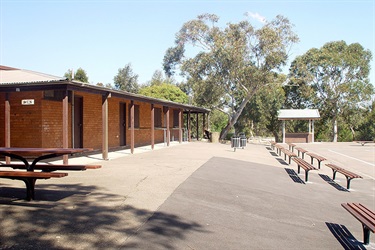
{"type": "Point", "coordinates": [54, 167]}
{"type": "Point", "coordinates": [31, 174]}
{"type": "Point", "coordinates": [305, 165]}
{"type": "Point", "coordinates": [349, 175]}
{"type": "Point", "coordinates": [363, 215]}
{"type": "Point", "coordinates": [29, 178]}
{"type": "Point", "coordinates": [317, 157]}
{"type": "Point", "coordinates": [301, 150]}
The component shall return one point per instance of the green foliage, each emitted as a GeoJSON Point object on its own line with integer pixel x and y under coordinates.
{"type": "Point", "coordinates": [218, 120]}
{"type": "Point", "coordinates": [126, 80]}
{"type": "Point", "coordinates": [229, 65]}
{"type": "Point", "coordinates": [79, 75]}
{"type": "Point", "coordinates": [333, 79]}
{"type": "Point", "coordinates": [165, 91]}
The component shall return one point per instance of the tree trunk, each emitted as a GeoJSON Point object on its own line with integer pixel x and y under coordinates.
{"type": "Point", "coordinates": [334, 129]}
{"type": "Point", "coordinates": [276, 136]}
{"type": "Point", "coordinates": [353, 133]}
{"type": "Point", "coordinates": [234, 118]}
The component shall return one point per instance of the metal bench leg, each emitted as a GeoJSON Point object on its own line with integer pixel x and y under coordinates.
{"type": "Point", "coordinates": [30, 188]}
{"type": "Point", "coordinates": [348, 182]}
{"type": "Point", "coordinates": [306, 176]}
{"type": "Point", "coordinates": [319, 164]}
{"type": "Point", "coordinates": [303, 156]}
{"type": "Point", "coordinates": [334, 174]}
{"type": "Point", "coordinates": [298, 168]}
{"type": "Point", "coordinates": [366, 235]}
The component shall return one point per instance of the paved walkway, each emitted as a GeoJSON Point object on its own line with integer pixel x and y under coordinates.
{"type": "Point", "coordinates": [188, 196]}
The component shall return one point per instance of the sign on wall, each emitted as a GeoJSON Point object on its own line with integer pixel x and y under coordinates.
{"type": "Point", "coordinates": [27, 102]}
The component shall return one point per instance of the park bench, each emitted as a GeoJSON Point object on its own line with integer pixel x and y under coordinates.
{"type": "Point", "coordinates": [302, 151]}
{"type": "Point", "coordinates": [291, 146]}
{"type": "Point", "coordinates": [363, 142]}
{"type": "Point", "coordinates": [365, 216]}
{"type": "Point", "coordinates": [317, 157]}
{"type": "Point", "coordinates": [288, 153]}
{"type": "Point", "coordinates": [54, 167]}
{"type": "Point", "coordinates": [305, 165]}
{"type": "Point", "coordinates": [349, 175]}
{"type": "Point", "coordinates": [278, 149]}
{"type": "Point", "coordinates": [273, 143]}
{"type": "Point", "coordinates": [29, 178]}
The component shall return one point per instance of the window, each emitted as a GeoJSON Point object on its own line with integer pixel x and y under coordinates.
{"type": "Point", "coordinates": [136, 116]}
{"type": "Point", "coordinates": [157, 117]}
{"type": "Point", "coordinates": [55, 95]}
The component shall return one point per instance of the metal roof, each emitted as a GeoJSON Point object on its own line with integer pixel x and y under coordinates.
{"type": "Point", "coordinates": [298, 114]}
{"type": "Point", "coordinates": [14, 76]}
{"type": "Point", "coordinates": [12, 80]}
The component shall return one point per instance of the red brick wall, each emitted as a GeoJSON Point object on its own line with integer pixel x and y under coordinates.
{"type": "Point", "coordinates": [40, 125]}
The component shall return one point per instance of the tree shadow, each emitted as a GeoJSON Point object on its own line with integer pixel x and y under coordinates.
{"type": "Point", "coordinates": [80, 217]}
{"type": "Point", "coordinates": [331, 182]}
{"type": "Point", "coordinates": [343, 235]}
{"type": "Point", "coordinates": [294, 176]}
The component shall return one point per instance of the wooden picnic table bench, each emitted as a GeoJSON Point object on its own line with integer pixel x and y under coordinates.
{"type": "Point", "coordinates": [54, 167]}
{"type": "Point", "coordinates": [302, 151]}
{"type": "Point", "coordinates": [29, 178]}
{"type": "Point", "coordinates": [291, 146]}
{"type": "Point", "coordinates": [363, 142]}
{"type": "Point", "coordinates": [349, 175]}
{"type": "Point", "coordinates": [365, 216]}
{"type": "Point", "coordinates": [317, 157]}
{"type": "Point", "coordinates": [305, 165]}
{"type": "Point", "coordinates": [288, 153]}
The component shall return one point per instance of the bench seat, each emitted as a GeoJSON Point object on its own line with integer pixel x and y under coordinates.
{"type": "Point", "coordinates": [278, 149]}
{"type": "Point", "coordinates": [305, 165]}
{"type": "Point", "coordinates": [317, 157]}
{"type": "Point", "coordinates": [54, 167]}
{"type": "Point", "coordinates": [302, 151]}
{"type": "Point", "coordinates": [363, 142]}
{"type": "Point", "coordinates": [291, 146]}
{"type": "Point", "coordinates": [349, 175]}
{"type": "Point", "coordinates": [289, 154]}
{"type": "Point", "coordinates": [365, 216]}
{"type": "Point", "coordinates": [29, 178]}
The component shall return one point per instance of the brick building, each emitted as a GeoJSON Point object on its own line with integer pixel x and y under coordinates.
{"type": "Point", "coordinates": [40, 110]}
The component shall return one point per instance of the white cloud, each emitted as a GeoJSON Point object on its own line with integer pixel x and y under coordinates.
{"type": "Point", "coordinates": [256, 16]}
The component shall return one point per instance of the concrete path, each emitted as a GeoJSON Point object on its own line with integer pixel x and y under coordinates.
{"type": "Point", "coordinates": [187, 196]}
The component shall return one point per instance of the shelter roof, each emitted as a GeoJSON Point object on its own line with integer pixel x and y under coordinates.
{"type": "Point", "coordinates": [298, 114]}
{"type": "Point", "coordinates": [10, 75]}
{"type": "Point", "coordinates": [12, 80]}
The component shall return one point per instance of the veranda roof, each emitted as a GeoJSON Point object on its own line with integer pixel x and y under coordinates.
{"type": "Point", "coordinates": [298, 114]}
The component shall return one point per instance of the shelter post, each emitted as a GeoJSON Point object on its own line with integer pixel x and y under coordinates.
{"type": "Point", "coordinates": [132, 126]}
{"type": "Point", "coordinates": [7, 125]}
{"type": "Point", "coordinates": [152, 126]}
{"type": "Point", "coordinates": [312, 131]}
{"type": "Point", "coordinates": [283, 131]}
{"type": "Point", "coordinates": [65, 124]}
{"type": "Point", "coordinates": [180, 126]}
{"type": "Point", "coordinates": [105, 126]}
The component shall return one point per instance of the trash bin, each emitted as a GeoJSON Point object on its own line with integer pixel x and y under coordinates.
{"type": "Point", "coordinates": [235, 142]}
{"type": "Point", "coordinates": [243, 140]}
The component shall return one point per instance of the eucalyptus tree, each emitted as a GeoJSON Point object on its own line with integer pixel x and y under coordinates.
{"type": "Point", "coordinates": [335, 78]}
{"type": "Point", "coordinates": [126, 79]}
{"type": "Point", "coordinates": [227, 66]}
{"type": "Point", "coordinates": [79, 75]}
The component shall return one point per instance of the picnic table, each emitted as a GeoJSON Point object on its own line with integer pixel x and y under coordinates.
{"type": "Point", "coordinates": [29, 176]}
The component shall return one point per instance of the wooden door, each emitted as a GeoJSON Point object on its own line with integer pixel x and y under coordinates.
{"type": "Point", "coordinates": [122, 124]}
{"type": "Point", "coordinates": [78, 122]}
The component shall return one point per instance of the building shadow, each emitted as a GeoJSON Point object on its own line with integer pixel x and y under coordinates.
{"type": "Point", "coordinates": [82, 217]}
{"type": "Point", "coordinates": [331, 182]}
{"type": "Point", "coordinates": [294, 176]}
{"type": "Point", "coordinates": [343, 235]}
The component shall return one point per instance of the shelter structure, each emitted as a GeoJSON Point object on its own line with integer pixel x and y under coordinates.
{"type": "Point", "coordinates": [299, 114]}
{"type": "Point", "coordinates": [41, 110]}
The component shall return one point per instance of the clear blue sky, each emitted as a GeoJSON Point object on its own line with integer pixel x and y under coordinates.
{"type": "Point", "coordinates": [53, 36]}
